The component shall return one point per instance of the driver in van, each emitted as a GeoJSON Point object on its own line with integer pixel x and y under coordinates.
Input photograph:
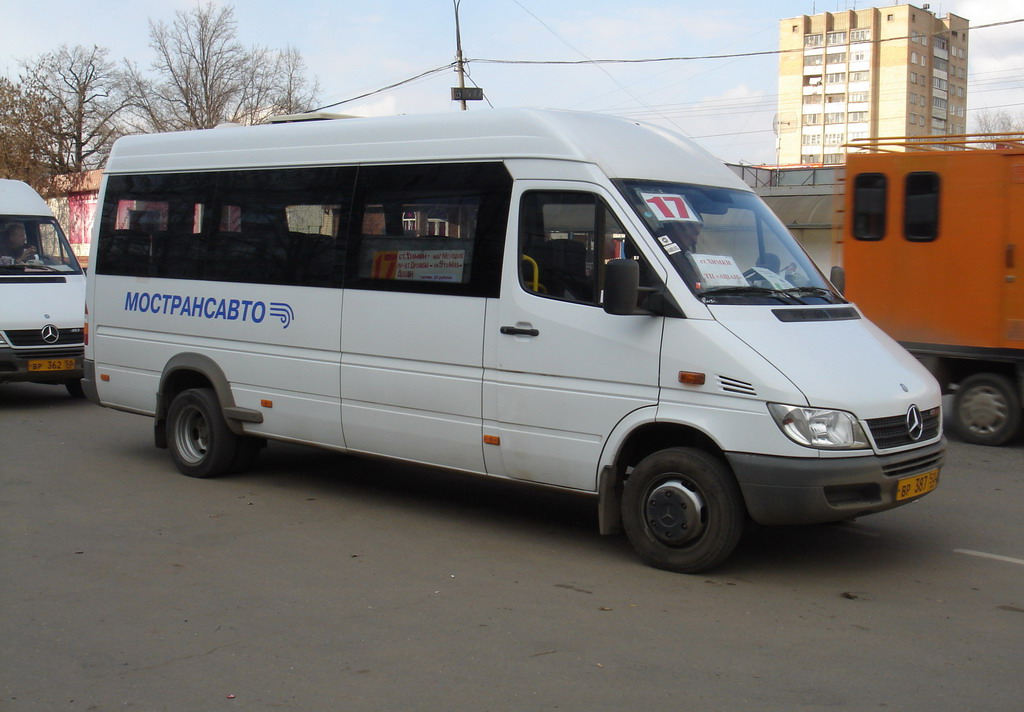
{"type": "Point", "coordinates": [13, 244]}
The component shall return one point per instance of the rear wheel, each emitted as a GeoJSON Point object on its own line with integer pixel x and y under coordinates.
{"type": "Point", "coordinates": [682, 510]}
{"type": "Point", "coordinates": [200, 441]}
{"type": "Point", "coordinates": [987, 409]}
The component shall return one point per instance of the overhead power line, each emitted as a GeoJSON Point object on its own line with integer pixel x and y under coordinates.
{"type": "Point", "coordinates": [733, 55]}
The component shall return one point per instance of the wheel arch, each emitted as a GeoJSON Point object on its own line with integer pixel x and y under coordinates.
{"type": "Point", "coordinates": [640, 441]}
{"type": "Point", "coordinates": [192, 370]}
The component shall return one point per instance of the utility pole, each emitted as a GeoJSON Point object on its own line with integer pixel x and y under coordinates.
{"type": "Point", "coordinates": [462, 93]}
{"type": "Point", "coordinates": [458, 57]}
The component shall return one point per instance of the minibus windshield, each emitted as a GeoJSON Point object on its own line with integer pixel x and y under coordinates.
{"type": "Point", "coordinates": [30, 245]}
{"type": "Point", "coordinates": [727, 245]}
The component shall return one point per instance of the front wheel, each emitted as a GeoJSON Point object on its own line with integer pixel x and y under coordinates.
{"type": "Point", "coordinates": [683, 510]}
{"type": "Point", "coordinates": [986, 409]}
{"type": "Point", "coordinates": [200, 441]}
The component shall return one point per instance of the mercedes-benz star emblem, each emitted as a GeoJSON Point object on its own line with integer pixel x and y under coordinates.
{"type": "Point", "coordinates": [915, 425]}
{"type": "Point", "coordinates": [51, 334]}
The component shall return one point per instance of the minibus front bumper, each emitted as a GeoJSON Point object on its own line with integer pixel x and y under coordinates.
{"type": "Point", "coordinates": [41, 366]}
{"type": "Point", "coordinates": [787, 490]}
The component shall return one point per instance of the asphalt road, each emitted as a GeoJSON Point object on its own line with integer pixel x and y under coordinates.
{"type": "Point", "coordinates": [323, 582]}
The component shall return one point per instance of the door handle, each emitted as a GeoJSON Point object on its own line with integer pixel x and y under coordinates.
{"type": "Point", "coordinates": [516, 331]}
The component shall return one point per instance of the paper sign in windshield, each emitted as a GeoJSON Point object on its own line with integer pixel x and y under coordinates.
{"type": "Point", "coordinates": [719, 271]}
{"type": "Point", "coordinates": [420, 265]}
{"type": "Point", "coordinates": [670, 208]}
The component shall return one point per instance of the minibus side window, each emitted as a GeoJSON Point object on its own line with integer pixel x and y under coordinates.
{"type": "Point", "coordinates": [869, 201]}
{"type": "Point", "coordinates": [921, 211]}
{"type": "Point", "coordinates": [565, 239]}
{"type": "Point", "coordinates": [148, 226]}
{"type": "Point", "coordinates": [279, 226]}
{"type": "Point", "coordinates": [431, 229]}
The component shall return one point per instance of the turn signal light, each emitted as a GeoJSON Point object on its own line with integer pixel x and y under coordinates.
{"type": "Point", "coordinates": [691, 378]}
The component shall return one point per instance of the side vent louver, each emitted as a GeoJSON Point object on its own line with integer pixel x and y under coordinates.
{"type": "Point", "coordinates": [732, 385]}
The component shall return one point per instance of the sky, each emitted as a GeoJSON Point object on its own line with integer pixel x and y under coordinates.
{"type": "Point", "coordinates": [355, 48]}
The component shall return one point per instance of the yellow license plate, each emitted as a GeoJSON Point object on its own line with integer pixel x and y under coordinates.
{"type": "Point", "coordinates": [53, 364]}
{"type": "Point", "coordinates": [917, 485]}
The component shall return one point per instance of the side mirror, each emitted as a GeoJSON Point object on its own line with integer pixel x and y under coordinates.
{"type": "Point", "coordinates": [621, 286]}
{"type": "Point", "coordinates": [838, 278]}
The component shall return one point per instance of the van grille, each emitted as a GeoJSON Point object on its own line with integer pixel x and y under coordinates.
{"type": "Point", "coordinates": [892, 431]}
{"type": "Point", "coordinates": [22, 338]}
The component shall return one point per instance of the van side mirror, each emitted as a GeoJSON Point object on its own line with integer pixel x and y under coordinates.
{"type": "Point", "coordinates": [621, 286]}
{"type": "Point", "coordinates": [838, 278]}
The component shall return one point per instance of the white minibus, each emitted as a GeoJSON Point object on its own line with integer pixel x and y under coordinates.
{"type": "Point", "coordinates": [42, 294]}
{"type": "Point", "coordinates": [566, 299]}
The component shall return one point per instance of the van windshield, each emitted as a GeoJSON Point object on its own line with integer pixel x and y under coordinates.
{"type": "Point", "coordinates": [727, 245]}
{"type": "Point", "coordinates": [34, 245]}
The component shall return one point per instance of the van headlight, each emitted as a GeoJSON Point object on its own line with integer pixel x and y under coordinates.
{"type": "Point", "coordinates": [819, 427]}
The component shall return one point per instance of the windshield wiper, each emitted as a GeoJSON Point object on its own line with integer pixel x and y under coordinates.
{"type": "Point", "coordinates": [749, 291]}
{"type": "Point", "coordinates": [822, 292]}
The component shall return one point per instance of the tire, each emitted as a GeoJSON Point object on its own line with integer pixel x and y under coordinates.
{"type": "Point", "coordinates": [198, 437]}
{"type": "Point", "coordinates": [74, 388]}
{"type": "Point", "coordinates": [987, 409]}
{"type": "Point", "coordinates": [683, 510]}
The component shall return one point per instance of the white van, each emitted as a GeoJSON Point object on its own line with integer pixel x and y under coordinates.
{"type": "Point", "coordinates": [561, 298]}
{"type": "Point", "coordinates": [42, 294]}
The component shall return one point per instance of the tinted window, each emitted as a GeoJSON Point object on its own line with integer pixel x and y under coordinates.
{"type": "Point", "coordinates": [869, 201]}
{"type": "Point", "coordinates": [921, 212]}
{"type": "Point", "coordinates": [436, 229]}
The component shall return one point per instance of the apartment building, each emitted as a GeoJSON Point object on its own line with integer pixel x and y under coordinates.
{"type": "Point", "coordinates": [885, 71]}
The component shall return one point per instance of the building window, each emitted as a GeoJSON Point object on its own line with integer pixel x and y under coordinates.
{"type": "Point", "coordinates": [860, 35]}
{"type": "Point", "coordinates": [813, 60]}
{"type": "Point", "coordinates": [835, 58]}
{"type": "Point", "coordinates": [836, 38]}
{"type": "Point", "coordinates": [812, 119]}
{"type": "Point", "coordinates": [939, 63]}
{"type": "Point", "coordinates": [834, 139]}
{"type": "Point", "coordinates": [836, 118]}
{"type": "Point", "coordinates": [810, 158]}
{"type": "Point", "coordinates": [836, 78]}
{"type": "Point", "coordinates": [940, 84]}
{"type": "Point", "coordinates": [858, 76]}
{"type": "Point", "coordinates": [811, 139]}
{"type": "Point", "coordinates": [913, 77]}
{"type": "Point", "coordinates": [812, 40]}
{"type": "Point", "coordinates": [858, 116]}
{"type": "Point", "coordinates": [858, 96]}
{"type": "Point", "coordinates": [833, 159]}
{"type": "Point", "coordinates": [812, 99]}
{"type": "Point", "coordinates": [835, 99]}
{"type": "Point", "coordinates": [859, 55]}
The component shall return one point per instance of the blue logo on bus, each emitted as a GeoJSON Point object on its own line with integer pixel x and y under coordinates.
{"type": "Point", "coordinates": [246, 310]}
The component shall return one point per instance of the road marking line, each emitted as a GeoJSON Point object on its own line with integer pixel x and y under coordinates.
{"type": "Point", "coordinates": [982, 554]}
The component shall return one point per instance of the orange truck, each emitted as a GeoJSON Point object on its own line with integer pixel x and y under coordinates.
{"type": "Point", "coordinates": [932, 250]}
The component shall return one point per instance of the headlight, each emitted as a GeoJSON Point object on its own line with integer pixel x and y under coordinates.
{"type": "Point", "coordinates": [819, 428]}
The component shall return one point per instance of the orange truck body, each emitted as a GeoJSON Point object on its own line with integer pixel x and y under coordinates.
{"type": "Point", "coordinates": [933, 252]}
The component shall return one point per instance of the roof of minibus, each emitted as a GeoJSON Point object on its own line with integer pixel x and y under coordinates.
{"type": "Point", "coordinates": [17, 198]}
{"type": "Point", "coordinates": [622, 148]}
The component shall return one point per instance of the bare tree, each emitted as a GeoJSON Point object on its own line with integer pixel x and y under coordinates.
{"type": "Point", "coordinates": [989, 121]}
{"type": "Point", "coordinates": [204, 76]}
{"type": "Point", "coordinates": [84, 92]}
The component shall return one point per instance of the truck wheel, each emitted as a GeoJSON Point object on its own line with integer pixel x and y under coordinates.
{"type": "Point", "coordinates": [986, 409]}
{"type": "Point", "coordinates": [198, 437]}
{"type": "Point", "coordinates": [682, 510]}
